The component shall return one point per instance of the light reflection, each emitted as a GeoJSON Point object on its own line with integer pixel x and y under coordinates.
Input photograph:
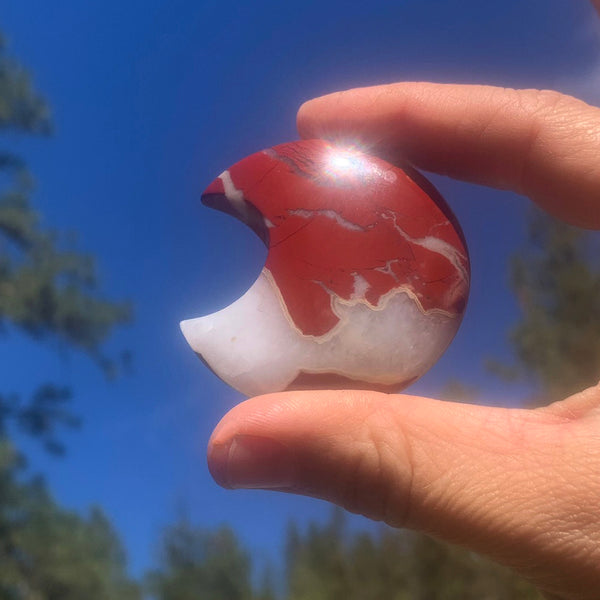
{"type": "Point", "coordinates": [345, 164]}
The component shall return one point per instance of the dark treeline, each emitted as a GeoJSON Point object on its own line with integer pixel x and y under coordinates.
{"type": "Point", "coordinates": [49, 553]}
{"type": "Point", "coordinates": [327, 562]}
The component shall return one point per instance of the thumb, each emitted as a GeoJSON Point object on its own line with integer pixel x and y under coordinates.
{"type": "Point", "coordinates": [499, 481]}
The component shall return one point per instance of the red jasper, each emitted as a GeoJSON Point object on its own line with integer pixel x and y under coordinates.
{"type": "Point", "coordinates": [357, 247]}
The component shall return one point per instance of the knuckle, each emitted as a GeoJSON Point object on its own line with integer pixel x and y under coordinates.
{"type": "Point", "coordinates": [551, 100]}
{"type": "Point", "coordinates": [545, 103]}
{"type": "Point", "coordinates": [377, 482]}
{"type": "Point", "coordinates": [548, 117]}
{"type": "Point", "coordinates": [559, 142]}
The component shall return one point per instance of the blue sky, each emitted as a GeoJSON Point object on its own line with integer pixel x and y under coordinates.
{"type": "Point", "coordinates": [151, 100]}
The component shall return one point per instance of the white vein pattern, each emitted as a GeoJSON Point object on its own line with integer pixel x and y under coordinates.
{"type": "Point", "coordinates": [328, 213]}
{"type": "Point", "coordinates": [434, 244]}
{"type": "Point", "coordinates": [233, 194]}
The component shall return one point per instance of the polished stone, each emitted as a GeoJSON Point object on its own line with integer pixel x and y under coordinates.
{"type": "Point", "coordinates": [365, 282]}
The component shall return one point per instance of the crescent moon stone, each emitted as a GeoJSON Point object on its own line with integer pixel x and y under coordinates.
{"type": "Point", "coordinates": [366, 278]}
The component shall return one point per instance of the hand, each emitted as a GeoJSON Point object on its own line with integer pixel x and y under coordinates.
{"type": "Point", "coordinates": [522, 486]}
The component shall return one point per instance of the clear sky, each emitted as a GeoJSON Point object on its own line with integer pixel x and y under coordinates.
{"type": "Point", "coordinates": [151, 100]}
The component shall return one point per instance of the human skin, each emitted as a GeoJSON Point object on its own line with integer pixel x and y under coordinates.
{"type": "Point", "coordinates": [520, 486]}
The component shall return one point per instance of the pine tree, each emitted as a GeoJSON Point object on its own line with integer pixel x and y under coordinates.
{"type": "Point", "coordinates": [49, 553]}
{"type": "Point", "coordinates": [330, 563]}
{"type": "Point", "coordinates": [556, 278]}
{"type": "Point", "coordinates": [47, 290]}
{"type": "Point", "coordinates": [197, 563]}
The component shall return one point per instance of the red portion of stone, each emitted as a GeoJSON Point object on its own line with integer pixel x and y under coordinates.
{"type": "Point", "coordinates": [216, 187]}
{"type": "Point", "coordinates": [335, 221]}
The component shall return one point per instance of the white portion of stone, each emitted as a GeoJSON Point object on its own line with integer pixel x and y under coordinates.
{"type": "Point", "coordinates": [253, 345]}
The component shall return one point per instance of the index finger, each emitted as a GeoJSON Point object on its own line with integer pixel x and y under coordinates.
{"type": "Point", "coordinates": [542, 144]}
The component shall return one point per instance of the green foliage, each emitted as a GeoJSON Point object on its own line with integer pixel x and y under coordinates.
{"type": "Point", "coordinates": [49, 553]}
{"type": "Point", "coordinates": [47, 289]}
{"type": "Point", "coordinates": [266, 590]}
{"type": "Point", "coordinates": [21, 108]}
{"type": "Point", "coordinates": [556, 279]}
{"type": "Point", "coordinates": [41, 417]}
{"type": "Point", "coordinates": [456, 391]}
{"type": "Point", "coordinates": [201, 564]}
{"type": "Point", "coordinates": [328, 563]}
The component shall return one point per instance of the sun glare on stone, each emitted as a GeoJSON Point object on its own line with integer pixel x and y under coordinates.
{"type": "Point", "coordinates": [340, 162]}
{"type": "Point", "coordinates": [344, 163]}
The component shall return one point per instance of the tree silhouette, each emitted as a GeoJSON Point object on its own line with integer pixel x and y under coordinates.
{"type": "Point", "coordinates": [556, 278]}
{"type": "Point", "coordinates": [196, 563]}
{"type": "Point", "coordinates": [47, 290]}
{"type": "Point", "coordinates": [329, 563]}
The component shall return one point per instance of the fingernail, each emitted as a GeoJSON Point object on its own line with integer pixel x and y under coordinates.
{"type": "Point", "coordinates": [250, 462]}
